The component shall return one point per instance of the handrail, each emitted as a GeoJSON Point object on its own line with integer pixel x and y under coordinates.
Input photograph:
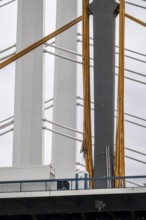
{"type": "Point", "coordinates": [39, 42]}
{"type": "Point", "coordinates": [76, 179]}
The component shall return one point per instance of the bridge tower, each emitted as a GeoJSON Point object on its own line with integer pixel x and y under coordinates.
{"type": "Point", "coordinates": [64, 107]}
{"type": "Point", "coordinates": [27, 147]}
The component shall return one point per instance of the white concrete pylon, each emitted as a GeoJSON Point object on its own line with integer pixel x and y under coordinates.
{"type": "Point", "coordinates": [27, 147]}
{"type": "Point", "coordinates": [63, 149]}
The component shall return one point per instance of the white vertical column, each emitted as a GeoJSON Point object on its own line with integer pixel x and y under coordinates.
{"type": "Point", "coordinates": [63, 149]}
{"type": "Point", "coordinates": [27, 147]}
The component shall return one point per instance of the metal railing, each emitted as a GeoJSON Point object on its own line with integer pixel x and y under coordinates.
{"type": "Point", "coordinates": [68, 184]}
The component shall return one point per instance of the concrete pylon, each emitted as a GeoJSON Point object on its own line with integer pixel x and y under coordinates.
{"type": "Point", "coordinates": [27, 146]}
{"type": "Point", "coordinates": [64, 112]}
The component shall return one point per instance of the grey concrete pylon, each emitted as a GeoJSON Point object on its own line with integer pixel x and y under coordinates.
{"type": "Point", "coordinates": [64, 110]}
{"type": "Point", "coordinates": [27, 146]}
{"type": "Point", "coordinates": [104, 13]}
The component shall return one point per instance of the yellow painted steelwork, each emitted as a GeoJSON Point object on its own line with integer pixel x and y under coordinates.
{"type": "Point", "coordinates": [119, 152]}
{"type": "Point", "coordinates": [87, 139]}
{"type": "Point", "coordinates": [40, 42]}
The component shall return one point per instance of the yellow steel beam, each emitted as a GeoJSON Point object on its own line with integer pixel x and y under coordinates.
{"type": "Point", "coordinates": [39, 43]}
{"type": "Point", "coordinates": [119, 156]}
{"type": "Point", "coordinates": [87, 140]}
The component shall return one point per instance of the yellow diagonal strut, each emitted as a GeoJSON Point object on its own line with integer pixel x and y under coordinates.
{"type": "Point", "coordinates": [87, 140]}
{"type": "Point", "coordinates": [39, 43]}
{"type": "Point", "coordinates": [119, 151]}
